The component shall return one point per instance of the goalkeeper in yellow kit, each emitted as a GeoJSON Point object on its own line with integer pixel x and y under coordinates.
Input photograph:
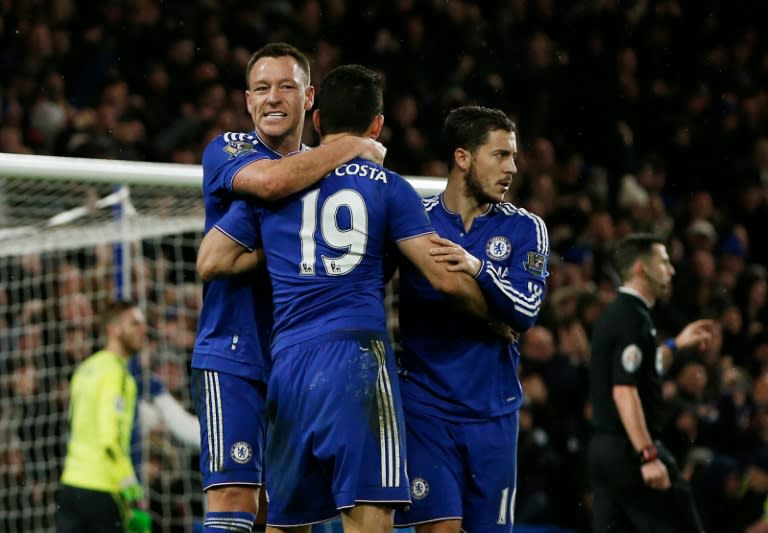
{"type": "Point", "coordinates": [99, 490]}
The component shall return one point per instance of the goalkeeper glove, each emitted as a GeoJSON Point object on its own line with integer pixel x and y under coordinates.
{"type": "Point", "coordinates": [132, 494]}
{"type": "Point", "coordinates": [139, 521]}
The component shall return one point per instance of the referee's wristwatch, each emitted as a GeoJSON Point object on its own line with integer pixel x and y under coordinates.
{"type": "Point", "coordinates": [648, 454]}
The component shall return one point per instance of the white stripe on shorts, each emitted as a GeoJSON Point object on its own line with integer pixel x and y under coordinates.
{"type": "Point", "coordinates": [214, 421]}
{"type": "Point", "coordinates": [389, 436]}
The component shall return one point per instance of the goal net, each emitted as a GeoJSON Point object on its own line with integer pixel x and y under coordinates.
{"type": "Point", "coordinates": [75, 233]}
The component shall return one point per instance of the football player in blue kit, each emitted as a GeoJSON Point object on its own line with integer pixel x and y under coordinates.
{"type": "Point", "coordinates": [461, 393]}
{"type": "Point", "coordinates": [230, 359]}
{"type": "Point", "coordinates": [336, 440]}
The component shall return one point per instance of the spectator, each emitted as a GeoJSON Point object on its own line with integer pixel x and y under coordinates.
{"type": "Point", "coordinates": [687, 118]}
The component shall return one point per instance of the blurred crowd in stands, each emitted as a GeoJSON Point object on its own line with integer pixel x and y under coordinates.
{"type": "Point", "coordinates": [643, 115]}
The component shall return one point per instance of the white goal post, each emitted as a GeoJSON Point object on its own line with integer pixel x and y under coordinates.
{"type": "Point", "coordinates": [75, 233]}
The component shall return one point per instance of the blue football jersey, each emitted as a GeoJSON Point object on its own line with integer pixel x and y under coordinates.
{"type": "Point", "coordinates": [236, 317]}
{"type": "Point", "coordinates": [451, 366]}
{"type": "Point", "coordinates": [325, 248]}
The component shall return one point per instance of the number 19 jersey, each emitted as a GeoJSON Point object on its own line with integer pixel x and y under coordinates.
{"type": "Point", "coordinates": [325, 248]}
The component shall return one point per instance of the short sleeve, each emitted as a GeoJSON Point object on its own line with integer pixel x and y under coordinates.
{"type": "Point", "coordinates": [240, 223]}
{"type": "Point", "coordinates": [408, 218]}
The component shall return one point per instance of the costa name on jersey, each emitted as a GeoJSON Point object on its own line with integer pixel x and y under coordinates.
{"type": "Point", "coordinates": [362, 170]}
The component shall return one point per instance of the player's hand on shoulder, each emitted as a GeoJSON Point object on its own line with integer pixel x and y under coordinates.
{"type": "Point", "coordinates": [372, 150]}
{"type": "Point", "coordinates": [655, 475]}
{"type": "Point", "coordinates": [456, 257]}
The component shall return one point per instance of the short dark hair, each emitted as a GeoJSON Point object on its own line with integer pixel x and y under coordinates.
{"type": "Point", "coordinates": [468, 127]}
{"type": "Point", "coordinates": [631, 248]}
{"type": "Point", "coordinates": [277, 49]}
{"type": "Point", "coordinates": [114, 310]}
{"type": "Point", "coordinates": [349, 98]}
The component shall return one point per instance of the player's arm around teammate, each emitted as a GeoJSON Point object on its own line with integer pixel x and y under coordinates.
{"type": "Point", "coordinates": [458, 284]}
{"type": "Point", "coordinates": [275, 179]}
{"type": "Point", "coordinates": [230, 360]}
{"type": "Point", "coordinates": [220, 257]}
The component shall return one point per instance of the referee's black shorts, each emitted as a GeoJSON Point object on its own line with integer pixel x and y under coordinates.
{"type": "Point", "coordinates": [79, 510]}
{"type": "Point", "coordinates": [623, 503]}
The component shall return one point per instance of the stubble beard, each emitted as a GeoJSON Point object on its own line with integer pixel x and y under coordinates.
{"type": "Point", "coordinates": [130, 343]}
{"type": "Point", "coordinates": [474, 189]}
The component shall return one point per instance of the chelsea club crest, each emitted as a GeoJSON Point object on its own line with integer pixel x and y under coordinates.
{"type": "Point", "coordinates": [241, 452]}
{"type": "Point", "coordinates": [419, 488]}
{"type": "Point", "coordinates": [498, 248]}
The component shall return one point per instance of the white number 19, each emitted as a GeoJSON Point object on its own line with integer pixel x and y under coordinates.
{"type": "Point", "coordinates": [351, 241]}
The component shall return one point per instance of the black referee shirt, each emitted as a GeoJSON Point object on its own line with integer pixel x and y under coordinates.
{"type": "Point", "coordinates": [625, 352]}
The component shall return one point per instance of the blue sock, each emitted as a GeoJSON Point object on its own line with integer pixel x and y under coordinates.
{"type": "Point", "coordinates": [228, 522]}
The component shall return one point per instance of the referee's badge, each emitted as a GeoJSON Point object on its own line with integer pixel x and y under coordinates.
{"type": "Point", "coordinates": [241, 452]}
{"type": "Point", "coordinates": [659, 361]}
{"type": "Point", "coordinates": [419, 488]}
{"type": "Point", "coordinates": [631, 358]}
{"type": "Point", "coordinates": [498, 248]}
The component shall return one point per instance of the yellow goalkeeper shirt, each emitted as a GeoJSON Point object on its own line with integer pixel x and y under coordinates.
{"type": "Point", "coordinates": [101, 410]}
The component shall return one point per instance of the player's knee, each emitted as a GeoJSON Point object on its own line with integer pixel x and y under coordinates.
{"type": "Point", "coordinates": [233, 498]}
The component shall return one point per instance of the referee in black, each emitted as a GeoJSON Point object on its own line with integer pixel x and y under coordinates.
{"type": "Point", "coordinates": [637, 487]}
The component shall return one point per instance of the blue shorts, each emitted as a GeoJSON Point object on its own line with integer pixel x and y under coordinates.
{"type": "Point", "coordinates": [462, 470]}
{"type": "Point", "coordinates": [336, 434]}
{"type": "Point", "coordinates": [233, 424]}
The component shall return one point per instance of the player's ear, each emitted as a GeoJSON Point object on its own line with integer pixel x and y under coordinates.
{"type": "Point", "coordinates": [248, 101]}
{"type": "Point", "coordinates": [309, 92]}
{"type": "Point", "coordinates": [639, 269]}
{"type": "Point", "coordinates": [374, 128]}
{"type": "Point", "coordinates": [316, 122]}
{"type": "Point", "coordinates": [462, 158]}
